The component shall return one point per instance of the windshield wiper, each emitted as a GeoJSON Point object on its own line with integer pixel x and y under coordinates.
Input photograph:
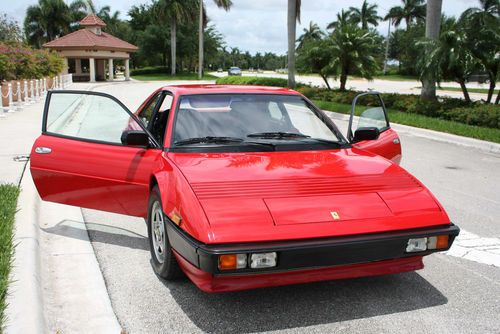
{"type": "Point", "coordinates": [208, 139]}
{"type": "Point", "coordinates": [290, 135]}
{"type": "Point", "coordinates": [277, 135]}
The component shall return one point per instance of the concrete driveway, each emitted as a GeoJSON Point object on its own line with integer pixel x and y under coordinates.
{"type": "Point", "coordinates": [384, 86]}
{"type": "Point", "coordinates": [451, 295]}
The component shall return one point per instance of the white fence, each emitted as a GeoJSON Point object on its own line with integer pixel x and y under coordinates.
{"type": "Point", "coordinates": [15, 95]}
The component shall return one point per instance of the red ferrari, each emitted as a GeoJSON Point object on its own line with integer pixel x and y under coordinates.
{"type": "Point", "coordinates": [241, 186]}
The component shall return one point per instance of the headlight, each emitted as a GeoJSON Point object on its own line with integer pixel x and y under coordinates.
{"type": "Point", "coordinates": [263, 260]}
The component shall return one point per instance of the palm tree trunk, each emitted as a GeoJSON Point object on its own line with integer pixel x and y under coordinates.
{"type": "Point", "coordinates": [343, 79]}
{"type": "Point", "coordinates": [325, 79]}
{"type": "Point", "coordinates": [200, 43]}
{"type": "Point", "coordinates": [432, 26]}
{"type": "Point", "coordinates": [491, 90]}
{"type": "Point", "coordinates": [387, 48]}
{"type": "Point", "coordinates": [292, 22]}
{"type": "Point", "coordinates": [464, 90]}
{"type": "Point", "coordinates": [173, 44]}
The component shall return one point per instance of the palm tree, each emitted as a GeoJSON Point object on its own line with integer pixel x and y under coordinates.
{"type": "Point", "coordinates": [224, 4]}
{"type": "Point", "coordinates": [352, 50]}
{"type": "Point", "coordinates": [412, 10]}
{"type": "Point", "coordinates": [314, 33]}
{"type": "Point", "coordinates": [432, 26]}
{"type": "Point", "coordinates": [292, 18]}
{"type": "Point", "coordinates": [483, 30]}
{"type": "Point", "coordinates": [174, 12]}
{"type": "Point", "coordinates": [46, 21]}
{"type": "Point", "coordinates": [365, 15]}
{"type": "Point", "coordinates": [451, 57]}
{"type": "Point", "coordinates": [343, 19]}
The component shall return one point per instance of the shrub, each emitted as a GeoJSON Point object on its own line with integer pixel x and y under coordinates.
{"type": "Point", "coordinates": [149, 70]}
{"type": "Point", "coordinates": [487, 115]}
{"type": "Point", "coordinates": [21, 62]}
{"type": "Point", "coordinates": [260, 81]}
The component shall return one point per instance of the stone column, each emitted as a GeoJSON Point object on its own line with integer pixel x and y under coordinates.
{"type": "Point", "coordinates": [78, 66]}
{"type": "Point", "coordinates": [110, 69]}
{"type": "Point", "coordinates": [66, 66]}
{"type": "Point", "coordinates": [92, 69]}
{"type": "Point", "coordinates": [127, 69]}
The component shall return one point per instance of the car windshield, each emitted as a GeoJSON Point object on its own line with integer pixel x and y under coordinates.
{"type": "Point", "coordinates": [213, 118]}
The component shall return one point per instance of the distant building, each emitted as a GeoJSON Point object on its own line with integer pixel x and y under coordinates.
{"type": "Point", "coordinates": [86, 51]}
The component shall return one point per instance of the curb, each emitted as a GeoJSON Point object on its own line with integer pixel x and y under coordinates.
{"type": "Point", "coordinates": [60, 262]}
{"type": "Point", "coordinates": [24, 311]}
{"type": "Point", "coordinates": [483, 145]}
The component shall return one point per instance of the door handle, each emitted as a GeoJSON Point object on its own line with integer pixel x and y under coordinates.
{"type": "Point", "coordinates": [43, 150]}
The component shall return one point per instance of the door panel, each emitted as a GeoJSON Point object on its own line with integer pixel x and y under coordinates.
{"type": "Point", "coordinates": [375, 116]}
{"type": "Point", "coordinates": [79, 159]}
{"type": "Point", "coordinates": [387, 145]}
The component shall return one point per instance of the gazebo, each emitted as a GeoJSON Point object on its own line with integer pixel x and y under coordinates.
{"type": "Point", "coordinates": [86, 51]}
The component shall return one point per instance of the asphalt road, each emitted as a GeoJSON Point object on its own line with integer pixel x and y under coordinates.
{"type": "Point", "coordinates": [451, 295]}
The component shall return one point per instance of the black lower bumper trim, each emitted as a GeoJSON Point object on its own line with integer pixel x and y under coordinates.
{"type": "Point", "coordinates": [309, 253]}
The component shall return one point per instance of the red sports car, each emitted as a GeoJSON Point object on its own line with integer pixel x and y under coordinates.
{"type": "Point", "coordinates": [242, 186]}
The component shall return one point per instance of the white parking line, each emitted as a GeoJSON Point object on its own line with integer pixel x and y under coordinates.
{"type": "Point", "coordinates": [472, 247]}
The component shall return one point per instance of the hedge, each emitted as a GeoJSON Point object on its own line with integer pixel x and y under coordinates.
{"type": "Point", "coordinates": [260, 81]}
{"type": "Point", "coordinates": [149, 70]}
{"type": "Point", "coordinates": [476, 113]}
{"type": "Point", "coordinates": [22, 62]}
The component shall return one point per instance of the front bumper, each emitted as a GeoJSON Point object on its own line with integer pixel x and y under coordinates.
{"type": "Point", "coordinates": [307, 254]}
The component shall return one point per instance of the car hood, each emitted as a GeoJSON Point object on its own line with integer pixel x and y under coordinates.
{"type": "Point", "coordinates": [305, 194]}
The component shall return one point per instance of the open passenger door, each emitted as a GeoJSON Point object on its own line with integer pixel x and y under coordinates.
{"type": "Point", "coordinates": [372, 131]}
{"type": "Point", "coordinates": [93, 153]}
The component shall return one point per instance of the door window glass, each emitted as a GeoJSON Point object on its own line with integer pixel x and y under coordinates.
{"type": "Point", "coordinates": [371, 113]}
{"type": "Point", "coordinates": [147, 112]}
{"type": "Point", "coordinates": [87, 116]}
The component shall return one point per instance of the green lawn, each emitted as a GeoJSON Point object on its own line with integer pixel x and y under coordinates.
{"type": "Point", "coordinates": [470, 90]}
{"type": "Point", "coordinates": [168, 77]}
{"type": "Point", "coordinates": [8, 207]}
{"type": "Point", "coordinates": [421, 121]}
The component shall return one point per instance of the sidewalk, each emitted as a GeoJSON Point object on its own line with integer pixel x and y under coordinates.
{"type": "Point", "coordinates": [56, 283]}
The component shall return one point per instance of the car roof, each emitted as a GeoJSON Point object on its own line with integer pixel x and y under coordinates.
{"type": "Point", "coordinates": [227, 89]}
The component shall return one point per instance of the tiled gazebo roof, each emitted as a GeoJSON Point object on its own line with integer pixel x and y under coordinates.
{"type": "Point", "coordinates": [85, 39]}
{"type": "Point", "coordinates": [92, 20]}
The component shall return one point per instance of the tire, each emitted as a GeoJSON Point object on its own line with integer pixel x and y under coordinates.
{"type": "Point", "coordinates": [162, 258]}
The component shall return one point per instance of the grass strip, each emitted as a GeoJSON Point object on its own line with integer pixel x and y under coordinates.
{"type": "Point", "coordinates": [8, 207]}
{"type": "Point", "coordinates": [168, 77]}
{"type": "Point", "coordinates": [421, 121]}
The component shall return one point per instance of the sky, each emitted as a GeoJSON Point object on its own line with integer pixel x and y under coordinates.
{"type": "Point", "coordinates": [257, 25]}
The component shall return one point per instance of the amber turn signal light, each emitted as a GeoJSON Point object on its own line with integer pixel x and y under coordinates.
{"type": "Point", "coordinates": [442, 241]}
{"type": "Point", "coordinates": [232, 261]}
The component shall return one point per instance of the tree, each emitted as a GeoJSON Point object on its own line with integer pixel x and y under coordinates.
{"type": "Point", "coordinates": [451, 59]}
{"type": "Point", "coordinates": [315, 57]}
{"type": "Point", "coordinates": [293, 16]}
{"type": "Point", "coordinates": [482, 26]}
{"type": "Point", "coordinates": [352, 51]}
{"type": "Point", "coordinates": [46, 21]}
{"type": "Point", "coordinates": [314, 33]}
{"type": "Point", "coordinates": [365, 16]}
{"type": "Point", "coordinates": [432, 27]}
{"type": "Point", "coordinates": [343, 19]}
{"type": "Point", "coordinates": [411, 11]}
{"type": "Point", "coordinates": [174, 12]}
{"type": "Point", "coordinates": [224, 4]}
{"type": "Point", "coordinates": [9, 30]}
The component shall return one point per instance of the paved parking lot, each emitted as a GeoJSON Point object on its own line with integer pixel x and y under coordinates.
{"type": "Point", "coordinates": [451, 295]}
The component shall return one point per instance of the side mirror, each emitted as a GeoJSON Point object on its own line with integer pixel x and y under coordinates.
{"type": "Point", "coordinates": [135, 138]}
{"type": "Point", "coordinates": [367, 133]}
